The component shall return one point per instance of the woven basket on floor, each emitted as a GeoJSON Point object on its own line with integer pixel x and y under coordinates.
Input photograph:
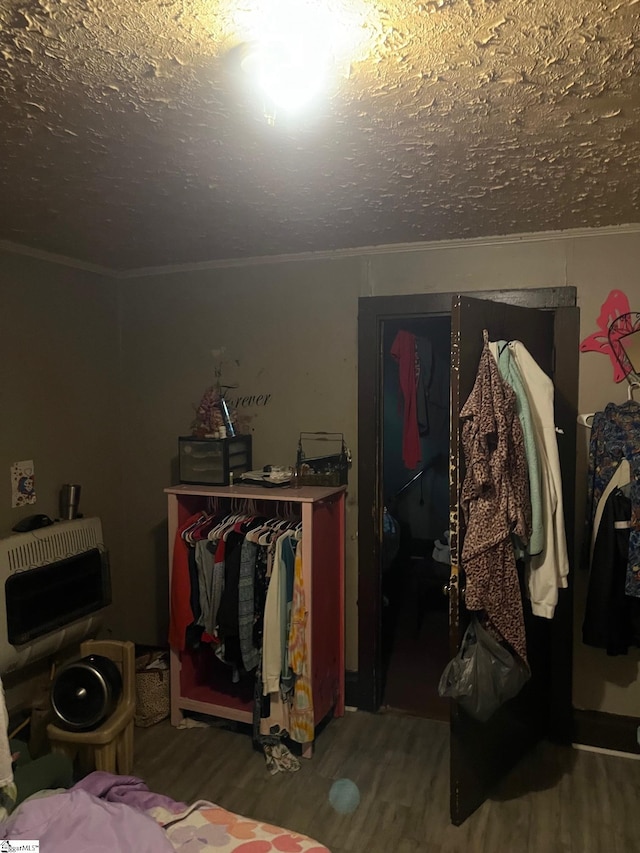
{"type": "Point", "coordinates": [152, 692]}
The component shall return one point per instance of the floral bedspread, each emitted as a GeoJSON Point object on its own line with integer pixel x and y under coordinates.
{"type": "Point", "coordinates": [206, 828]}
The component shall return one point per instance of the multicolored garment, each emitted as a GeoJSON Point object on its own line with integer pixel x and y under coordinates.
{"type": "Point", "coordinates": [495, 501]}
{"type": "Point", "coordinates": [301, 717]}
{"type": "Point", "coordinates": [616, 436]}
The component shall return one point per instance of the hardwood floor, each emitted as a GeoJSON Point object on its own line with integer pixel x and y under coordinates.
{"type": "Point", "coordinates": [558, 799]}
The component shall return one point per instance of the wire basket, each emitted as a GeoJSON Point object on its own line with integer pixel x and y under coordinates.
{"type": "Point", "coordinates": [318, 468]}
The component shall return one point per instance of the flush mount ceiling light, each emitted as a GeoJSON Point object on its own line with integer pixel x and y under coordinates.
{"type": "Point", "coordinates": [296, 49]}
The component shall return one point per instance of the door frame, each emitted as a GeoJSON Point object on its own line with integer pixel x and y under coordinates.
{"type": "Point", "coordinates": [373, 311]}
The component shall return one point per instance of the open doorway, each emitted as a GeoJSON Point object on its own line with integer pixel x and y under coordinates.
{"type": "Point", "coordinates": [375, 314]}
{"type": "Point", "coordinates": [546, 321]}
{"type": "Point", "coordinates": [415, 488]}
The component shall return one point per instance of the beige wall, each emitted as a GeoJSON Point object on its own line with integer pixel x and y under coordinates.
{"type": "Point", "coordinates": [59, 385]}
{"type": "Point", "coordinates": [292, 326]}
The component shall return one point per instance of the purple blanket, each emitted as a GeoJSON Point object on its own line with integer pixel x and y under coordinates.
{"type": "Point", "coordinates": [126, 789]}
{"type": "Point", "coordinates": [79, 822]}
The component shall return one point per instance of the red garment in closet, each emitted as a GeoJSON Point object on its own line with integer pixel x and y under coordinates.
{"type": "Point", "coordinates": [403, 350]}
{"type": "Point", "coordinates": [180, 611]}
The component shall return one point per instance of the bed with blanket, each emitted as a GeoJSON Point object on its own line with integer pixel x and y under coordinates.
{"type": "Point", "coordinates": [104, 813]}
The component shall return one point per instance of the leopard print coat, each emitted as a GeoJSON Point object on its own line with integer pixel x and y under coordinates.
{"type": "Point", "coordinates": [495, 502]}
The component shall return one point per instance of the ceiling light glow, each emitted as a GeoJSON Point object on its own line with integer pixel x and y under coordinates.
{"type": "Point", "coordinates": [298, 48]}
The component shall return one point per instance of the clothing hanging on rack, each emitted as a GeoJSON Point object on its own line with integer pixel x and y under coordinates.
{"type": "Point", "coordinates": [616, 436]}
{"type": "Point", "coordinates": [302, 727]}
{"type": "Point", "coordinates": [612, 618]}
{"type": "Point", "coordinates": [233, 586]}
{"type": "Point", "coordinates": [180, 594]}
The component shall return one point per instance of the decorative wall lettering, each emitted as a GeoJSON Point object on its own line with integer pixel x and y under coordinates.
{"type": "Point", "coordinates": [249, 400]}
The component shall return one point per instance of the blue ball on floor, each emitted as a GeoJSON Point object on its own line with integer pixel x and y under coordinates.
{"type": "Point", "coordinates": [344, 796]}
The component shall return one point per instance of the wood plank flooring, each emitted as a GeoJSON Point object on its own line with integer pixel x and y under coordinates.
{"type": "Point", "coordinates": [558, 799]}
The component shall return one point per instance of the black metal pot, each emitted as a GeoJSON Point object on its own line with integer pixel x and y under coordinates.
{"type": "Point", "coordinates": [85, 693]}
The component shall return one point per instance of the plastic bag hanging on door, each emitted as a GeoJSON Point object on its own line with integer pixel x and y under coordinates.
{"type": "Point", "coordinates": [483, 675]}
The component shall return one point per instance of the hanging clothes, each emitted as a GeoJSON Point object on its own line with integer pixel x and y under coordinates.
{"type": "Point", "coordinates": [424, 354]}
{"type": "Point", "coordinates": [621, 477]}
{"type": "Point", "coordinates": [272, 639]}
{"type": "Point", "coordinates": [302, 719]}
{"type": "Point", "coordinates": [432, 390]}
{"type": "Point", "coordinates": [403, 350]}
{"type": "Point", "coordinates": [615, 436]}
{"type": "Point", "coordinates": [548, 571]}
{"type": "Point", "coordinates": [269, 731]}
{"type": "Point", "coordinates": [181, 613]}
{"type": "Point", "coordinates": [286, 604]}
{"type": "Point", "coordinates": [246, 599]}
{"type": "Point", "coordinates": [217, 587]}
{"type": "Point", "coordinates": [495, 502]}
{"type": "Point", "coordinates": [511, 375]}
{"type": "Point", "coordinates": [233, 585]}
{"type": "Point", "coordinates": [612, 619]}
{"type": "Point", "coordinates": [204, 555]}
{"type": "Point", "coordinates": [228, 625]}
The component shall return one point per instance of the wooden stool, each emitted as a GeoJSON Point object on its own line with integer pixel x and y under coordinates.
{"type": "Point", "coordinates": [110, 746]}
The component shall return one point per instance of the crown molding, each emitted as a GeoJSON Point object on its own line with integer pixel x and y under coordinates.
{"type": "Point", "coordinates": [52, 258]}
{"type": "Point", "coordinates": [328, 255]}
{"type": "Point", "coordinates": [386, 249]}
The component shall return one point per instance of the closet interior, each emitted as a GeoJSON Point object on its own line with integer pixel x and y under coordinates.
{"type": "Point", "coordinates": [415, 487]}
{"type": "Point", "coordinates": [413, 481]}
{"type": "Point", "coordinates": [207, 682]}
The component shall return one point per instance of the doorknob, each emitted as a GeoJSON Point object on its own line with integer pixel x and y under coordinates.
{"type": "Point", "coordinates": [446, 589]}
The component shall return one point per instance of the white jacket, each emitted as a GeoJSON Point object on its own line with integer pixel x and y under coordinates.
{"type": "Point", "coordinates": [547, 571]}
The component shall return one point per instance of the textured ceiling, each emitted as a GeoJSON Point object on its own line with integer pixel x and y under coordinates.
{"type": "Point", "coordinates": [127, 139]}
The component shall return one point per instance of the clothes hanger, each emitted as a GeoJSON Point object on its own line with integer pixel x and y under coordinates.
{"type": "Point", "coordinates": [256, 532]}
{"type": "Point", "coordinates": [203, 527]}
{"type": "Point", "coordinates": [222, 525]}
{"type": "Point", "coordinates": [238, 525]}
{"type": "Point", "coordinates": [186, 534]}
{"type": "Point", "coordinates": [267, 535]}
{"type": "Point", "coordinates": [265, 527]}
{"type": "Point", "coordinates": [264, 537]}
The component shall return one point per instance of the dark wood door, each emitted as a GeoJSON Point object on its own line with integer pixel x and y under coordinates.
{"type": "Point", "coordinates": [482, 753]}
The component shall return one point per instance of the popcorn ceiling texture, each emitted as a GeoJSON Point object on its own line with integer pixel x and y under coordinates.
{"type": "Point", "coordinates": [129, 139]}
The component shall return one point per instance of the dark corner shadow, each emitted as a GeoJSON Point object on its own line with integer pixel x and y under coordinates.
{"type": "Point", "coordinates": [161, 563]}
{"type": "Point", "coordinates": [161, 555]}
{"type": "Point", "coordinates": [540, 770]}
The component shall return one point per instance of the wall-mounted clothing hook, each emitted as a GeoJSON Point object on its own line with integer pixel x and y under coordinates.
{"type": "Point", "coordinates": [586, 420]}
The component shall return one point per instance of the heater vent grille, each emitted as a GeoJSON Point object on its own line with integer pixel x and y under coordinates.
{"type": "Point", "coordinates": [60, 541]}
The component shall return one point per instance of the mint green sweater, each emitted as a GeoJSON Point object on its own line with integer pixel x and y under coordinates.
{"type": "Point", "coordinates": [511, 374]}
